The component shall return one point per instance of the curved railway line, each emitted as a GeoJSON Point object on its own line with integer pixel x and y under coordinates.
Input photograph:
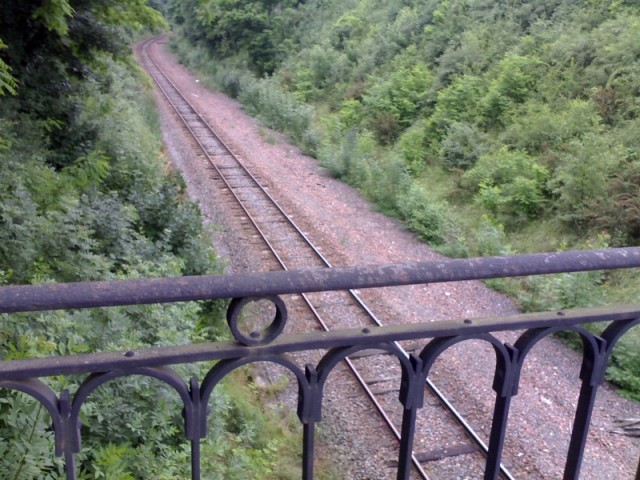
{"type": "Point", "coordinates": [285, 246]}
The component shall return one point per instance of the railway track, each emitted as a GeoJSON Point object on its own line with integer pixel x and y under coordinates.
{"type": "Point", "coordinates": [285, 246]}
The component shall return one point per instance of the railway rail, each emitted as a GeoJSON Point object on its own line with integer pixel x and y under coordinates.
{"type": "Point", "coordinates": [287, 247]}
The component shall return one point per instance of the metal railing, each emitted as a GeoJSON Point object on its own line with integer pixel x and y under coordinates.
{"type": "Point", "coordinates": [269, 345]}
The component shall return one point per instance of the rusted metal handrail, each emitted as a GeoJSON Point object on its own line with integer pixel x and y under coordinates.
{"type": "Point", "coordinates": [261, 284]}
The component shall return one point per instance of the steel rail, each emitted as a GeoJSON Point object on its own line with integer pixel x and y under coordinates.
{"type": "Point", "coordinates": [361, 381]}
{"type": "Point", "coordinates": [431, 386]}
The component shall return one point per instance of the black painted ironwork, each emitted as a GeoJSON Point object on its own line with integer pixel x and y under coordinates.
{"type": "Point", "coordinates": [269, 345]}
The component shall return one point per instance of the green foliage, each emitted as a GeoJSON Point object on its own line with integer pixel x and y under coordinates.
{"type": "Point", "coordinates": [462, 145]}
{"type": "Point", "coordinates": [624, 369]}
{"type": "Point", "coordinates": [529, 108]}
{"type": "Point", "coordinates": [381, 178]}
{"type": "Point", "coordinates": [617, 210]}
{"type": "Point", "coordinates": [94, 204]}
{"type": "Point", "coordinates": [27, 439]}
{"type": "Point", "coordinates": [348, 27]}
{"type": "Point", "coordinates": [412, 146]}
{"type": "Point", "coordinates": [350, 161]}
{"type": "Point", "coordinates": [253, 28]}
{"type": "Point", "coordinates": [54, 15]}
{"type": "Point", "coordinates": [387, 182]}
{"type": "Point", "coordinates": [8, 84]}
{"type": "Point", "coordinates": [580, 182]}
{"type": "Point", "coordinates": [510, 184]}
{"type": "Point", "coordinates": [424, 215]}
{"type": "Point", "coordinates": [109, 462]}
{"type": "Point", "coordinates": [563, 291]}
{"type": "Point", "coordinates": [51, 47]}
{"type": "Point", "coordinates": [392, 105]}
{"type": "Point", "coordinates": [490, 239]}
{"type": "Point", "coordinates": [277, 108]}
{"type": "Point", "coordinates": [351, 113]}
{"type": "Point", "coordinates": [515, 81]}
{"type": "Point", "coordinates": [320, 68]}
{"type": "Point", "coordinates": [457, 103]}
{"type": "Point", "coordinates": [540, 127]}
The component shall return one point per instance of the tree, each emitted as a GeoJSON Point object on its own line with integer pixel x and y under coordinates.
{"type": "Point", "coordinates": [509, 184]}
{"type": "Point", "coordinates": [516, 80]}
{"type": "Point", "coordinates": [253, 27]}
{"type": "Point", "coordinates": [50, 45]}
{"type": "Point", "coordinates": [395, 103]}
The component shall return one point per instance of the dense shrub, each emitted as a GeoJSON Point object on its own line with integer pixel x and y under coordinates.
{"type": "Point", "coordinates": [581, 181]}
{"type": "Point", "coordinates": [392, 105]}
{"type": "Point", "coordinates": [516, 80]}
{"type": "Point", "coordinates": [462, 145]}
{"type": "Point", "coordinates": [510, 184]}
{"type": "Point", "coordinates": [624, 370]}
{"type": "Point", "coordinates": [412, 146]}
{"type": "Point", "coordinates": [540, 127]}
{"type": "Point", "coordinates": [424, 215]}
{"type": "Point", "coordinates": [277, 108]}
{"type": "Point", "coordinates": [458, 102]}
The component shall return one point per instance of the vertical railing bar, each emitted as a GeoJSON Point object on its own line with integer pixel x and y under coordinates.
{"type": "Point", "coordinates": [580, 430]}
{"type": "Point", "coordinates": [497, 437]}
{"type": "Point", "coordinates": [308, 450]}
{"type": "Point", "coordinates": [505, 385]}
{"type": "Point", "coordinates": [405, 457]}
{"type": "Point", "coordinates": [200, 423]}
{"type": "Point", "coordinates": [69, 463]}
{"type": "Point", "coordinates": [195, 459]}
{"type": "Point", "coordinates": [383, 413]}
{"type": "Point", "coordinates": [592, 375]}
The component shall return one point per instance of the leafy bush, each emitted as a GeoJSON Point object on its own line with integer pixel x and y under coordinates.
{"type": "Point", "coordinates": [109, 212]}
{"type": "Point", "coordinates": [624, 369]}
{"type": "Point", "coordinates": [515, 82]}
{"type": "Point", "coordinates": [351, 113]}
{"type": "Point", "coordinates": [462, 145]}
{"type": "Point", "coordinates": [276, 108]}
{"type": "Point", "coordinates": [509, 184]}
{"type": "Point", "coordinates": [351, 159]}
{"type": "Point", "coordinates": [346, 28]}
{"type": "Point", "coordinates": [458, 102]}
{"type": "Point", "coordinates": [394, 104]}
{"type": "Point", "coordinates": [412, 146]}
{"type": "Point", "coordinates": [562, 291]}
{"type": "Point", "coordinates": [490, 239]}
{"type": "Point", "coordinates": [317, 68]}
{"type": "Point", "coordinates": [539, 127]}
{"type": "Point", "coordinates": [387, 181]}
{"type": "Point", "coordinates": [423, 214]}
{"type": "Point", "coordinates": [580, 183]}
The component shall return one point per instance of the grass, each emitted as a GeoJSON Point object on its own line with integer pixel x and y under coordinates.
{"type": "Point", "coordinates": [260, 403]}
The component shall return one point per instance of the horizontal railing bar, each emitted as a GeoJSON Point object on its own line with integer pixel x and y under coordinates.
{"type": "Point", "coordinates": [24, 298]}
{"type": "Point", "coordinates": [127, 360]}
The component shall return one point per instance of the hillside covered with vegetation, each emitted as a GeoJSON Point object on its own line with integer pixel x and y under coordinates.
{"type": "Point", "coordinates": [86, 194]}
{"type": "Point", "coordinates": [488, 126]}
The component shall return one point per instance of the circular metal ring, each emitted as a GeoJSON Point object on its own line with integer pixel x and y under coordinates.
{"type": "Point", "coordinates": [267, 334]}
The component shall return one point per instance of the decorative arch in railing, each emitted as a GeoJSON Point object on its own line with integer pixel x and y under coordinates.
{"type": "Point", "coordinates": [270, 345]}
{"type": "Point", "coordinates": [195, 396]}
